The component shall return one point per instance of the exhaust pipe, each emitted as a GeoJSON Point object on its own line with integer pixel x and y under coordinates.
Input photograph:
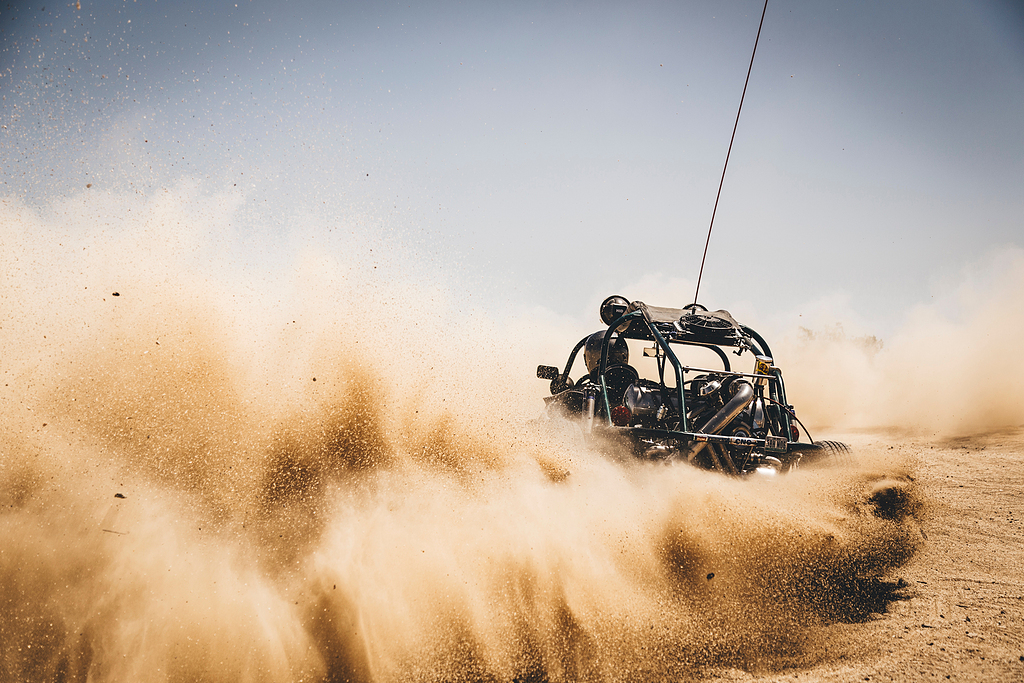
{"type": "Point", "coordinates": [743, 394]}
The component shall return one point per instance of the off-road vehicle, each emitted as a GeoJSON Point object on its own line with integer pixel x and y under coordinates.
{"type": "Point", "coordinates": [661, 407]}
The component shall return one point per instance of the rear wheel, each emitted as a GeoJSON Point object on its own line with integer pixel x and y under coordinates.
{"type": "Point", "coordinates": [826, 453]}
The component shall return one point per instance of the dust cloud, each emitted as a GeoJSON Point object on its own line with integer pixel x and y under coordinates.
{"type": "Point", "coordinates": [329, 475]}
{"type": "Point", "coordinates": [949, 370]}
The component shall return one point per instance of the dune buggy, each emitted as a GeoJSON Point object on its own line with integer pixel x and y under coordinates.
{"type": "Point", "coordinates": [718, 419]}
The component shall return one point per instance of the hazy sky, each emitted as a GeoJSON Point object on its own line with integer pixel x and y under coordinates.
{"type": "Point", "coordinates": [550, 153]}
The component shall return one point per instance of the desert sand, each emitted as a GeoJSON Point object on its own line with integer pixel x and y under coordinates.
{"type": "Point", "coordinates": [203, 480]}
{"type": "Point", "coordinates": [958, 609]}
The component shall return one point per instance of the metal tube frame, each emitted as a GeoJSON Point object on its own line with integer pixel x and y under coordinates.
{"type": "Point", "coordinates": [776, 388]}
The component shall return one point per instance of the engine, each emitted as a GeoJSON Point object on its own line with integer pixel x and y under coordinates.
{"type": "Point", "coordinates": [716, 404]}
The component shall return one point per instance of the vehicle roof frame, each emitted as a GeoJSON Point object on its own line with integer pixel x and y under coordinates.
{"type": "Point", "coordinates": [625, 326]}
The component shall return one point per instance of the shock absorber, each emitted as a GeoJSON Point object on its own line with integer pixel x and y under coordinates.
{"type": "Point", "coordinates": [590, 402]}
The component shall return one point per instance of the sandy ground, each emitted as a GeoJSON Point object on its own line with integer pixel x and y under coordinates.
{"type": "Point", "coordinates": [960, 616]}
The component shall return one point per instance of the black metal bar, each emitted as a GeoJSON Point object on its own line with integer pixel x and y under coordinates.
{"type": "Point", "coordinates": [604, 359]}
{"type": "Point", "coordinates": [677, 367]}
{"type": "Point", "coordinates": [572, 357]}
{"type": "Point", "coordinates": [695, 436]}
{"type": "Point", "coordinates": [765, 351]}
{"type": "Point", "coordinates": [786, 422]}
{"type": "Point", "coordinates": [687, 368]}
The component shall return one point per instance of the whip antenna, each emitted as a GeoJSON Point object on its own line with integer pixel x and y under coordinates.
{"type": "Point", "coordinates": [734, 127]}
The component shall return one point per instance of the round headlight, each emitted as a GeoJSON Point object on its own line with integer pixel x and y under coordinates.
{"type": "Point", "coordinates": [612, 308]}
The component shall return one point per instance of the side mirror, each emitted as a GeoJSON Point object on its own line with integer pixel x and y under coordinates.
{"type": "Point", "coordinates": [547, 372]}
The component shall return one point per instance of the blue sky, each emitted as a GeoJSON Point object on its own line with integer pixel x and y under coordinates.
{"type": "Point", "coordinates": [549, 154]}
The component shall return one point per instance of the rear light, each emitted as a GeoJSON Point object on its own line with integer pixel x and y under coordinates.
{"type": "Point", "coordinates": [796, 431]}
{"type": "Point", "coordinates": [621, 416]}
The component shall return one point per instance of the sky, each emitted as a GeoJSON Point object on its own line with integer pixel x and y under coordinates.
{"type": "Point", "coordinates": [547, 154]}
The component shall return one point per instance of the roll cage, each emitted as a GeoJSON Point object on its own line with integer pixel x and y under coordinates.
{"type": "Point", "coordinates": [693, 326]}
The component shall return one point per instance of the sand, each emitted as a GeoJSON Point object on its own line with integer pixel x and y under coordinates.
{"type": "Point", "coordinates": [202, 479]}
{"type": "Point", "coordinates": [960, 615]}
